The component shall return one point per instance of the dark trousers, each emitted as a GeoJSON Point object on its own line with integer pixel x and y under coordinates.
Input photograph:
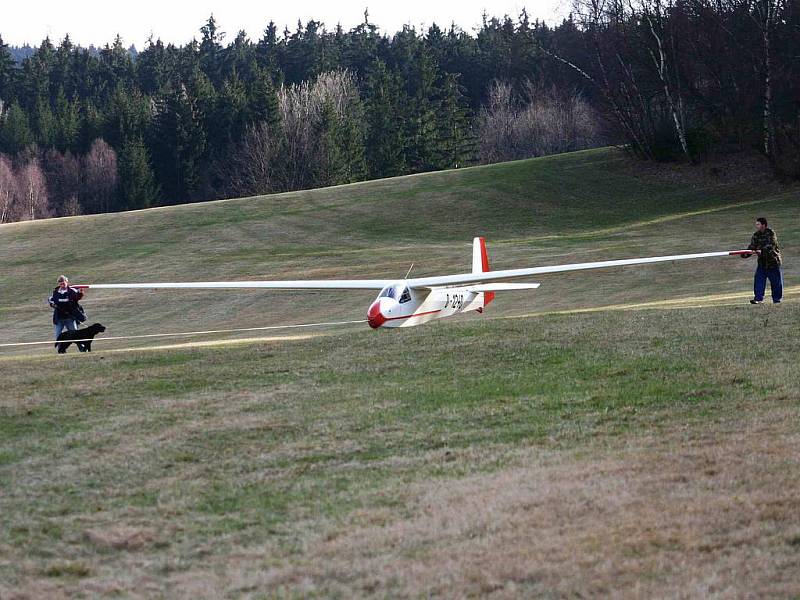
{"type": "Point", "coordinates": [775, 277]}
{"type": "Point", "coordinates": [62, 324]}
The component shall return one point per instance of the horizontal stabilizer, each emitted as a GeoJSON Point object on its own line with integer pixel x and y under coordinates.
{"type": "Point", "coordinates": [502, 287]}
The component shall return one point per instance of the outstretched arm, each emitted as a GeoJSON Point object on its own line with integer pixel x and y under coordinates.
{"type": "Point", "coordinates": [752, 246]}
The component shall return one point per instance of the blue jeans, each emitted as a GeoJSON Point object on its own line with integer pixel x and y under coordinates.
{"type": "Point", "coordinates": [775, 277]}
{"type": "Point", "coordinates": [62, 324]}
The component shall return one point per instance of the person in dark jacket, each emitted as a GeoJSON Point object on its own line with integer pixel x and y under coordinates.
{"type": "Point", "coordinates": [764, 243]}
{"type": "Point", "coordinates": [66, 311]}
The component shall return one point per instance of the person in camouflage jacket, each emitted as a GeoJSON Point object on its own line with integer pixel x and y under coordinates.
{"type": "Point", "coordinates": [764, 243]}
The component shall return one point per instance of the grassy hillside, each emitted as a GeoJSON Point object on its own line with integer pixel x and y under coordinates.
{"type": "Point", "coordinates": [631, 432]}
{"type": "Point", "coordinates": [571, 207]}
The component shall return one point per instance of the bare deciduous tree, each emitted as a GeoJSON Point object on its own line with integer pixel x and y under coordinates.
{"type": "Point", "coordinates": [72, 207]}
{"type": "Point", "coordinates": [308, 145]}
{"type": "Point", "coordinates": [542, 121]}
{"type": "Point", "coordinates": [308, 112]}
{"type": "Point", "coordinates": [33, 202]}
{"type": "Point", "coordinates": [497, 123]}
{"type": "Point", "coordinates": [606, 28]}
{"type": "Point", "coordinates": [765, 13]}
{"type": "Point", "coordinates": [100, 177]}
{"type": "Point", "coordinates": [8, 190]}
{"type": "Point", "coordinates": [655, 13]}
{"type": "Point", "coordinates": [63, 178]}
{"type": "Point", "coordinates": [251, 167]}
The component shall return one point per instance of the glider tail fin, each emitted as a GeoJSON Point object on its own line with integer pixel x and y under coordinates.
{"type": "Point", "coordinates": [480, 264]}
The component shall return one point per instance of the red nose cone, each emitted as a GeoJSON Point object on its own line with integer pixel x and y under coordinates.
{"type": "Point", "coordinates": [374, 316]}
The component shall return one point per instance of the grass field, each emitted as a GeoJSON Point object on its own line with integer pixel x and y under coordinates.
{"type": "Point", "coordinates": [632, 432]}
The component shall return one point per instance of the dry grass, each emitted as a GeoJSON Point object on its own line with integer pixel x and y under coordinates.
{"type": "Point", "coordinates": [701, 512]}
{"type": "Point", "coordinates": [693, 514]}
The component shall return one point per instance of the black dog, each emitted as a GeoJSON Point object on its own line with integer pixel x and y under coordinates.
{"type": "Point", "coordinates": [68, 337]}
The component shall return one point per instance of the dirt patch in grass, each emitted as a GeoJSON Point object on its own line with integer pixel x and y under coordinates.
{"type": "Point", "coordinates": [120, 537]}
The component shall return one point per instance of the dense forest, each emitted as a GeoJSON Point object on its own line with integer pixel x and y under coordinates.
{"type": "Point", "coordinates": [84, 131]}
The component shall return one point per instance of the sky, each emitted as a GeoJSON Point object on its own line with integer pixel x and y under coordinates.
{"type": "Point", "coordinates": [98, 21]}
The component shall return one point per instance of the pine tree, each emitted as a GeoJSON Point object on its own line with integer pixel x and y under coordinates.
{"type": "Point", "coordinates": [91, 125]}
{"type": "Point", "coordinates": [351, 137]}
{"type": "Point", "coordinates": [385, 134]}
{"type": "Point", "coordinates": [210, 51]}
{"type": "Point", "coordinates": [152, 67]}
{"type": "Point", "coordinates": [362, 46]}
{"type": "Point", "coordinates": [205, 98]}
{"type": "Point", "coordinates": [269, 51]}
{"type": "Point", "coordinates": [333, 50]}
{"type": "Point", "coordinates": [342, 138]}
{"type": "Point", "coordinates": [127, 116]}
{"type": "Point", "coordinates": [45, 124]}
{"type": "Point", "coordinates": [63, 71]}
{"type": "Point", "coordinates": [239, 57]}
{"type": "Point", "coordinates": [7, 71]}
{"type": "Point", "coordinates": [67, 122]}
{"type": "Point", "coordinates": [329, 168]}
{"type": "Point", "coordinates": [230, 115]}
{"type": "Point", "coordinates": [179, 145]}
{"type": "Point", "coordinates": [524, 51]}
{"type": "Point", "coordinates": [15, 130]}
{"type": "Point", "coordinates": [86, 78]}
{"type": "Point", "coordinates": [138, 188]}
{"type": "Point", "coordinates": [36, 74]}
{"type": "Point", "coordinates": [455, 144]}
{"type": "Point", "coordinates": [262, 103]}
{"type": "Point", "coordinates": [421, 113]}
{"type": "Point", "coordinates": [116, 65]}
{"type": "Point", "coordinates": [294, 63]}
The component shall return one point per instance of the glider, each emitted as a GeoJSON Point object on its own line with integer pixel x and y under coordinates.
{"type": "Point", "coordinates": [414, 301]}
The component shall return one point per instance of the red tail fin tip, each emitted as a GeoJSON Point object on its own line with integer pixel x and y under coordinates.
{"type": "Point", "coordinates": [480, 264]}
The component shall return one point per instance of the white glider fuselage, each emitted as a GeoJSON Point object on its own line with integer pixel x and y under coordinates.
{"type": "Point", "coordinates": [413, 302]}
{"type": "Point", "coordinates": [401, 306]}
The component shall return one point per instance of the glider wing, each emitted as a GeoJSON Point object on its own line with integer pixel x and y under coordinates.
{"type": "Point", "coordinates": [491, 280]}
{"type": "Point", "coordinates": [511, 274]}
{"type": "Point", "coordinates": [308, 284]}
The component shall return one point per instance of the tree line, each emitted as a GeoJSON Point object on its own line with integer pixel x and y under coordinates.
{"type": "Point", "coordinates": [670, 79]}
{"type": "Point", "coordinates": [686, 78]}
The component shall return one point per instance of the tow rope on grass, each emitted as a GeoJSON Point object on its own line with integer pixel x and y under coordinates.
{"type": "Point", "coordinates": [189, 333]}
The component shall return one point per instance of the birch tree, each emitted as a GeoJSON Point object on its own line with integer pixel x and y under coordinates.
{"type": "Point", "coordinates": [8, 190]}
{"type": "Point", "coordinates": [33, 203]}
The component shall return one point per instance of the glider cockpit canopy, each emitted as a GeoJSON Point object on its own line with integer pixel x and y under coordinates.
{"type": "Point", "coordinates": [399, 292]}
